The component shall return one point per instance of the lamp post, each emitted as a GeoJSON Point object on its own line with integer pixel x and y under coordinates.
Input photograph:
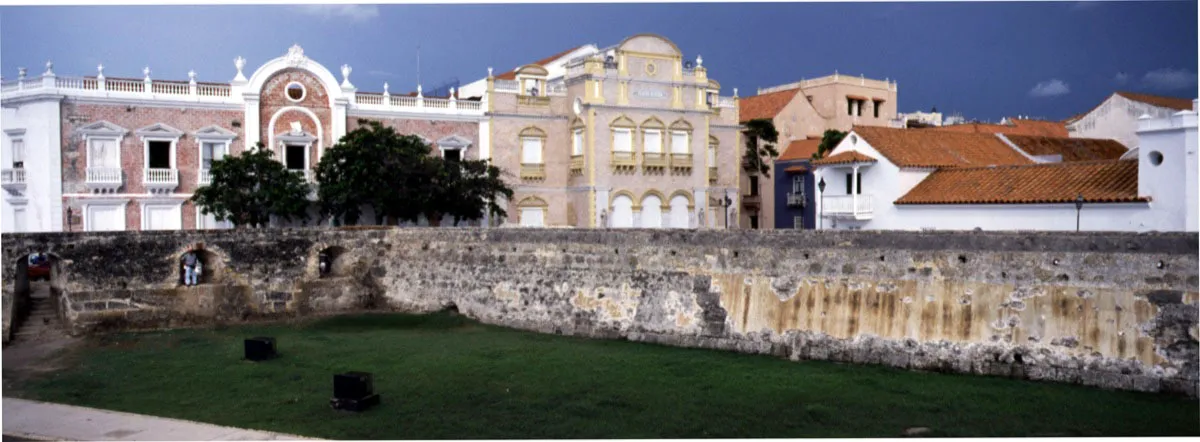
{"type": "Point", "coordinates": [725, 203]}
{"type": "Point", "coordinates": [820, 194]}
{"type": "Point", "coordinates": [69, 213]}
{"type": "Point", "coordinates": [1078, 207]}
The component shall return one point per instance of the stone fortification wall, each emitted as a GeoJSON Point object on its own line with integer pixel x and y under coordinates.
{"type": "Point", "coordinates": [1112, 310]}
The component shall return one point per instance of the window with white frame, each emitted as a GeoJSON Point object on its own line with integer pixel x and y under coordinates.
{"type": "Point", "coordinates": [798, 185]}
{"type": "Point", "coordinates": [104, 153]}
{"type": "Point", "coordinates": [104, 216]}
{"type": "Point", "coordinates": [577, 142]}
{"type": "Point", "coordinates": [797, 222]}
{"type": "Point", "coordinates": [652, 141]}
{"type": "Point", "coordinates": [18, 153]}
{"type": "Point", "coordinates": [533, 217]}
{"type": "Point", "coordinates": [211, 151]}
{"type": "Point", "coordinates": [679, 142]}
{"type": "Point", "coordinates": [162, 216]}
{"type": "Point", "coordinates": [209, 221]}
{"type": "Point", "coordinates": [622, 140]}
{"type": "Point", "coordinates": [712, 155]}
{"type": "Point", "coordinates": [531, 150]}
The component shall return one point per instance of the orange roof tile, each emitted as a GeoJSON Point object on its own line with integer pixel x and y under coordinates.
{"type": "Point", "coordinates": [1016, 127]}
{"type": "Point", "coordinates": [845, 158]}
{"type": "Point", "coordinates": [512, 75]}
{"type": "Point", "coordinates": [1071, 149]}
{"type": "Point", "coordinates": [796, 169]}
{"type": "Point", "coordinates": [800, 150]}
{"type": "Point", "coordinates": [1160, 101]}
{"type": "Point", "coordinates": [932, 148]}
{"type": "Point", "coordinates": [765, 105]}
{"type": "Point", "coordinates": [1098, 182]}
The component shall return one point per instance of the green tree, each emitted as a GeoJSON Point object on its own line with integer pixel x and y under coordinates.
{"type": "Point", "coordinates": [464, 190]}
{"type": "Point", "coordinates": [829, 140]}
{"type": "Point", "coordinates": [373, 166]}
{"type": "Point", "coordinates": [761, 137]}
{"type": "Point", "coordinates": [249, 188]}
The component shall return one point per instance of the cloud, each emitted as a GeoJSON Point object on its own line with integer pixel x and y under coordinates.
{"type": "Point", "coordinates": [1052, 88]}
{"type": "Point", "coordinates": [1121, 78]}
{"type": "Point", "coordinates": [351, 12]}
{"type": "Point", "coordinates": [1169, 79]}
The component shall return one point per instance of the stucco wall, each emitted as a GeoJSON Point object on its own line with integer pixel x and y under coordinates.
{"type": "Point", "coordinates": [42, 196]}
{"type": "Point", "coordinates": [1114, 310]}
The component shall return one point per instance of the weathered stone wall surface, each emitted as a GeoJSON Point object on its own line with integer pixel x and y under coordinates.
{"type": "Point", "coordinates": [1113, 310]}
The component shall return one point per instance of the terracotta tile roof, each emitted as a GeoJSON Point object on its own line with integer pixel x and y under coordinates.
{"type": "Point", "coordinates": [1017, 127]}
{"type": "Point", "coordinates": [512, 75]}
{"type": "Point", "coordinates": [1160, 101]}
{"type": "Point", "coordinates": [1098, 182]}
{"type": "Point", "coordinates": [796, 169]}
{"type": "Point", "coordinates": [934, 148]}
{"type": "Point", "coordinates": [845, 158]}
{"type": "Point", "coordinates": [1071, 149]}
{"type": "Point", "coordinates": [765, 105]}
{"type": "Point", "coordinates": [800, 150]}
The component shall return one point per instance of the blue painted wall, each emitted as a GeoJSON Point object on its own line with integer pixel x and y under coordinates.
{"type": "Point", "coordinates": [785, 215]}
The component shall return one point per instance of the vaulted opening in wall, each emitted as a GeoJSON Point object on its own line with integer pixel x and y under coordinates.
{"type": "Point", "coordinates": [333, 262]}
{"type": "Point", "coordinates": [35, 285]}
{"type": "Point", "coordinates": [295, 157]}
{"type": "Point", "coordinates": [206, 267]}
{"type": "Point", "coordinates": [159, 155]}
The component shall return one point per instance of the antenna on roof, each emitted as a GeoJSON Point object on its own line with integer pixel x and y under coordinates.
{"type": "Point", "coordinates": [418, 64]}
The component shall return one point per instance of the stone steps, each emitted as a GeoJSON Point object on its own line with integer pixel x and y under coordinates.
{"type": "Point", "coordinates": [41, 322]}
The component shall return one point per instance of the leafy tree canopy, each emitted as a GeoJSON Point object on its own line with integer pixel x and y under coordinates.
{"type": "Point", "coordinates": [761, 137]}
{"type": "Point", "coordinates": [829, 140]}
{"type": "Point", "coordinates": [249, 188]}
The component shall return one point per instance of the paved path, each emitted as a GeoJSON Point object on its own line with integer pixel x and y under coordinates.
{"type": "Point", "coordinates": [31, 420]}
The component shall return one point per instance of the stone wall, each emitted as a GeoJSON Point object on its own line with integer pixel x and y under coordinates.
{"type": "Point", "coordinates": [1110, 310]}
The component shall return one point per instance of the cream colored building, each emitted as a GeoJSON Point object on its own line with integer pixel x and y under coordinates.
{"type": "Point", "coordinates": [805, 110]}
{"type": "Point", "coordinates": [1116, 117]}
{"type": "Point", "coordinates": [625, 136]}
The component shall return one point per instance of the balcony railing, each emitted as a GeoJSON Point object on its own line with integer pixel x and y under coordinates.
{"type": "Point", "coordinates": [12, 178]}
{"type": "Point", "coordinates": [795, 199]}
{"type": "Point", "coordinates": [533, 171]}
{"type": "Point", "coordinates": [654, 159]}
{"type": "Point", "coordinates": [681, 160]}
{"type": "Point", "coordinates": [306, 175]}
{"type": "Point", "coordinates": [122, 85]}
{"type": "Point", "coordinates": [507, 86]}
{"type": "Point", "coordinates": [532, 100]}
{"type": "Point", "coordinates": [848, 206]}
{"type": "Point", "coordinates": [725, 102]}
{"type": "Point", "coordinates": [205, 177]}
{"type": "Point", "coordinates": [160, 180]}
{"type": "Point", "coordinates": [576, 163]}
{"type": "Point", "coordinates": [104, 179]}
{"type": "Point", "coordinates": [623, 159]}
{"type": "Point", "coordinates": [712, 174]}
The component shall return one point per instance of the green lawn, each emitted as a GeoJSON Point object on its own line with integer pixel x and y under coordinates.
{"type": "Point", "coordinates": [444, 377]}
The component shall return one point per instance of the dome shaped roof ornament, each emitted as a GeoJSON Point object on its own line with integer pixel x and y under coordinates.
{"type": "Point", "coordinates": [295, 56]}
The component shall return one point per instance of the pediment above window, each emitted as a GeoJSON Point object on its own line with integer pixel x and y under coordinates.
{"type": "Point", "coordinates": [159, 130]}
{"type": "Point", "coordinates": [102, 129]}
{"type": "Point", "coordinates": [215, 132]}
{"type": "Point", "coordinates": [454, 142]}
{"type": "Point", "coordinates": [295, 138]}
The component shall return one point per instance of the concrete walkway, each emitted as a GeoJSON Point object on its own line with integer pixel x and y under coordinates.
{"type": "Point", "coordinates": [24, 419]}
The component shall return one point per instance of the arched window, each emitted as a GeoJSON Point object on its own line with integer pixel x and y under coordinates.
{"type": "Point", "coordinates": [680, 214]}
{"type": "Point", "coordinates": [652, 136]}
{"type": "Point", "coordinates": [532, 212]}
{"type": "Point", "coordinates": [652, 210]}
{"type": "Point", "coordinates": [533, 142]}
{"type": "Point", "coordinates": [622, 210]}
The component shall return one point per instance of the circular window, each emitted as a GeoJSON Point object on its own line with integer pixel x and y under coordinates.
{"type": "Point", "coordinates": [295, 91]}
{"type": "Point", "coordinates": [853, 139]}
{"type": "Point", "coordinates": [651, 68]}
{"type": "Point", "coordinates": [1155, 158]}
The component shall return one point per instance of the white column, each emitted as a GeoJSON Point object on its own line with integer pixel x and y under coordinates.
{"type": "Point", "coordinates": [485, 140]}
{"type": "Point", "coordinates": [854, 191]}
{"type": "Point", "coordinates": [251, 126]}
{"type": "Point", "coordinates": [603, 212]}
{"type": "Point", "coordinates": [337, 124]}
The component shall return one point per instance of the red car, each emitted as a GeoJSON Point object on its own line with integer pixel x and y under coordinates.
{"type": "Point", "coordinates": [39, 268]}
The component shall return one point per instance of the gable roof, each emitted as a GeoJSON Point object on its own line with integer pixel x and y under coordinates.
{"type": "Point", "coordinates": [800, 150]}
{"type": "Point", "coordinates": [933, 148]}
{"type": "Point", "coordinates": [765, 105]}
{"type": "Point", "coordinates": [845, 158]}
{"type": "Point", "coordinates": [1158, 100]}
{"type": "Point", "coordinates": [1071, 149]}
{"type": "Point", "coordinates": [1097, 181]}
{"type": "Point", "coordinates": [1015, 127]}
{"type": "Point", "coordinates": [512, 75]}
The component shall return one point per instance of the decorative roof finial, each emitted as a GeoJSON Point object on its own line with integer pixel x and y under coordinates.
{"type": "Point", "coordinates": [346, 76]}
{"type": "Point", "coordinates": [452, 93]}
{"type": "Point", "coordinates": [192, 76]}
{"type": "Point", "coordinates": [146, 72]}
{"type": "Point", "coordinates": [21, 73]}
{"type": "Point", "coordinates": [735, 92]}
{"type": "Point", "coordinates": [385, 88]}
{"type": "Point", "coordinates": [49, 68]}
{"type": "Point", "coordinates": [699, 61]}
{"type": "Point", "coordinates": [239, 63]}
{"type": "Point", "coordinates": [100, 69]}
{"type": "Point", "coordinates": [489, 71]}
{"type": "Point", "coordinates": [419, 91]}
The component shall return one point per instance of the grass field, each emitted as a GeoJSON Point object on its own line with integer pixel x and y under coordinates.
{"type": "Point", "coordinates": [446, 377]}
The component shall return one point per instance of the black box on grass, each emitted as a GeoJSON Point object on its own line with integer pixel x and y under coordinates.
{"type": "Point", "coordinates": [260, 348]}
{"type": "Point", "coordinates": [354, 404]}
{"type": "Point", "coordinates": [353, 391]}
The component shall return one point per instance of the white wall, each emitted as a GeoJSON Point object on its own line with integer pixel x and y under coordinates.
{"type": "Point", "coordinates": [1116, 118]}
{"type": "Point", "coordinates": [1042, 217]}
{"type": "Point", "coordinates": [43, 164]}
{"type": "Point", "coordinates": [882, 181]}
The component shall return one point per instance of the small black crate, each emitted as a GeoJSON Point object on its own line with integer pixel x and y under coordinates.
{"type": "Point", "coordinates": [260, 349]}
{"type": "Point", "coordinates": [353, 385]}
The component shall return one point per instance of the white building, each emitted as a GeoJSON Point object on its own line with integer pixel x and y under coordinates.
{"type": "Point", "coordinates": [1117, 116]}
{"type": "Point", "coordinates": [926, 180]}
{"type": "Point", "coordinates": [929, 118]}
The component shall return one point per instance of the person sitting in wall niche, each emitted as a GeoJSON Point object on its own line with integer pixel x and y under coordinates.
{"type": "Point", "coordinates": [323, 263]}
{"type": "Point", "coordinates": [192, 267]}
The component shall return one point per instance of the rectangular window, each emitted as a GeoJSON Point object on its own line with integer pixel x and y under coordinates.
{"type": "Point", "coordinates": [653, 141]}
{"type": "Point", "coordinates": [105, 218]}
{"type": "Point", "coordinates": [797, 222]}
{"type": "Point", "coordinates": [162, 217]}
{"type": "Point", "coordinates": [532, 217]}
{"type": "Point", "coordinates": [623, 140]}
{"type": "Point", "coordinates": [858, 109]}
{"type": "Point", "coordinates": [849, 106]}
{"type": "Point", "coordinates": [754, 185]}
{"type": "Point", "coordinates": [753, 221]}
{"type": "Point", "coordinates": [798, 185]}
{"type": "Point", "coordinates": [876, 105]}
{"type": "Point", "coordinates": [103, 154]}
{"type": "Point", "coordinates": [295, 157]}
{"type": "Point", "coordinates": [18, 153]}
{"type": "Point", "coordinates": [19, 224]}
{"type": "Point", "coordinates": [679, 142]}
{"type": "Point", "coordinates": [577, 142]}
{"type": "Point", "coordinates": [531, 151]}
{"type": "Point", "coordinates": [160, 155]}
{"type": "Point", "coordinates": [712, 155]}
{"type": "Point", "coordinates": [452, 155]}
{"type": "Point", "coordinates": [210, 152]}
{"type": "Point", "coordinates": [849, 182]}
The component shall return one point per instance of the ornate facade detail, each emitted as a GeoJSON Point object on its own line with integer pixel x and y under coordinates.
{"type": "Point", "coordinates": [295, 56]}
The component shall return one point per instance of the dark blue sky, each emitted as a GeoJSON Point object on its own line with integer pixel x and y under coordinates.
{"type": "Point", "coordinates": [985, 60]}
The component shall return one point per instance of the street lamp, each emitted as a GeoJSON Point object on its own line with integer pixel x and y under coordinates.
{"type": "Point", "coordinates": [821, 188]}
{"type": "Point", "coordinates": [1078, 207]}
{"type": "Point", "coordinates": [726, 203]}
{"type": "Point", "coordinates": [69, 212]}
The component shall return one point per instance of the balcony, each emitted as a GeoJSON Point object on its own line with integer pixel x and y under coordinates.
{"type": "Point", "coordinates": [533, 171]}
{"type": "Point", "coordinates": [654, 159]}
{"type": "Point", "coordinates": [13, 179]}
{"type": "Point", "coordinates": [795, 200]}
{"type": "Point", "coordinates": [681, 160]}
{"type": "Point", "coordinates": [104, 179]}
{"type": "Point", "coordinates": [576, 163]}
{"type": "Point", "coordinates": [858, 207]}
{"type": "Point", "coordinates": [533, 100]}
{"type": "Point", "coordinates": [160, 180]}
{"type": "Point", "coordinates": [624, 159]}
{"type": "Point", "coordinates": [305, 175]}
{"type": "Point", "coordinates": [205, 177]}
{"type": "Point", "coordinates": [752, 200]}
{"type": "Point", "coordinates": [712, 174]}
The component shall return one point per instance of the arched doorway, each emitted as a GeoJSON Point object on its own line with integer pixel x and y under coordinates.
{"type": "Point", "coordinates": [622, 212]}
{"type": "Point", "coordinates": [333, 262]}
{"type": "Point", "coordinates": [208, 266]}
{"type": "Point", "coordinates": [679, 212]}
{"type": "Point", "coordinates": [37, 283]}
{"type": "Point", "coordinates": [652, 216]}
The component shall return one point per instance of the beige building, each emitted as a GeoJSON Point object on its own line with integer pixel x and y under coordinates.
{"type": "Point", "coordinates": [1116, 117]}
{"type": "Point", "coordinates": [630, 135]}
{"type": "Point", "coordinates": [805, 110]}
